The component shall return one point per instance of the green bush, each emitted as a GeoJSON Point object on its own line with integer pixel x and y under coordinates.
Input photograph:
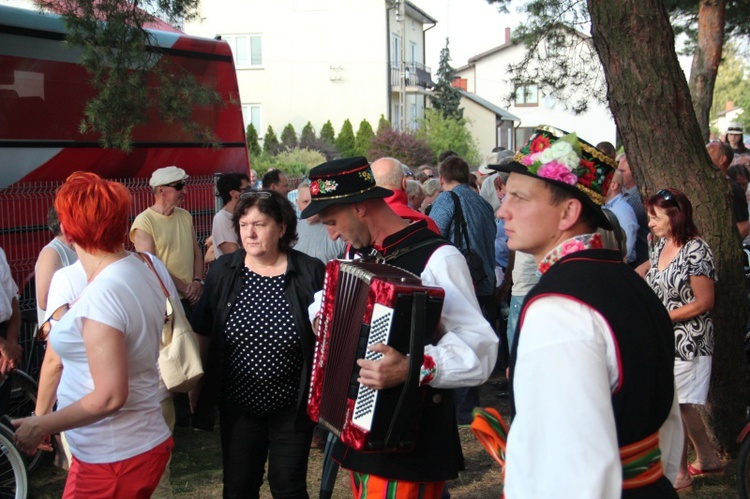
{"type": "Point", "coordinates": [383, 124]}
{"type": "Point", "coordinates": [327, 134]}
{"type": "Point", "coordinates": [442, 134]}
{"type": "Point", "coordinates": [289, 137]}
{"type": "Point", "coordinates": [364, 138]}
{"type": "Point", "coordinates": [401, 145]}
{"type": "Point", "coordinates": [271, 142]}
{"type": "Point", "coordinates": [345, 142]}
{"type": "Point", "coordinates": [294, 162]}
{"type": "Point", "coordinates": [252, 141]}
{"type": "Point", "coordinates": [307, 138]}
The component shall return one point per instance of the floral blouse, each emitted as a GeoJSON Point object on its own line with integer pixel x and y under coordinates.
{"type": "Point", "coordinates": [694, 336]}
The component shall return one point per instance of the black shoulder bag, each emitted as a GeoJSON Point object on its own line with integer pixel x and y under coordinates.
{"type": "Point", "coordinates": [473, 260]}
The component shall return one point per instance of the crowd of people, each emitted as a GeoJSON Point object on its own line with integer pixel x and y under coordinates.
{"type": "Point", "coordinates": [526, 248]}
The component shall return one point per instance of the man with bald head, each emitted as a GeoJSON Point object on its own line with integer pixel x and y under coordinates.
{"type": "Point", "coordinates": [389, 174]}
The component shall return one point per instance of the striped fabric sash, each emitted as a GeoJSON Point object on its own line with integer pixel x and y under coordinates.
{"type": "Point", "coordinates": [641, 461]}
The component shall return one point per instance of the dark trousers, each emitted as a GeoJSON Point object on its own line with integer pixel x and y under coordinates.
{"type": "Point", "coordinates": [246, 442]}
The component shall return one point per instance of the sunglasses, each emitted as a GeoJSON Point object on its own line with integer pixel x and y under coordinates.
{"type": "Point", "coordinates": [256, 194]}
{"type": "Point", "coordinates": [177, 185]}
{"type": "Point", "coordinates": [667, 195]}
{"type": "Point", "coordinates": [45, 327]}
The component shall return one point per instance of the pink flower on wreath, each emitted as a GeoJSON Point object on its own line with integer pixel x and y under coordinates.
{"type": "Point", "coordinates": [571, 246]}
{"type": "Point", "coordinates": [557, 171]}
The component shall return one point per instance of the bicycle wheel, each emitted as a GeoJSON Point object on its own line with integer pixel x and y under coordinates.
{"type": "Point", "coordinates": [14, 482]}
{"type": "Point", "coordinates": [743, 470]}
{"type": "Point", "coordinates": [21, 405]}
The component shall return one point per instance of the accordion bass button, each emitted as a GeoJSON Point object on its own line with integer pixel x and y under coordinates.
{"type": "Point", "coordinates": [437, 398]}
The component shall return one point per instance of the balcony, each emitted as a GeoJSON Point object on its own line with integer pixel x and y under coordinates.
{"type": "Point", "coordinates": [417, 75]}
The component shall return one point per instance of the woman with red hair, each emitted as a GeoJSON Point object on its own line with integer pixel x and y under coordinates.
{"type": "Point", "coordinates": [108, 342]}
{"type": "Point", "coordinates": [681, 272]}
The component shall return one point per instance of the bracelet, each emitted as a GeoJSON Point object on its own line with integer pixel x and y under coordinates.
{"type": "Point", "coordinates": [203, 283]}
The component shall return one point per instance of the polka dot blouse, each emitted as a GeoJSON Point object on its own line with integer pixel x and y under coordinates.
{"type": "Point", "coordinates": [263, 348]}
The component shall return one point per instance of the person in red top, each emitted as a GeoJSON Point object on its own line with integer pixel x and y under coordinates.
{"type": "Point", "coordinates": [389, 173]}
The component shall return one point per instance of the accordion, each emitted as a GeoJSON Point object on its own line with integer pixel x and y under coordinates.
{"type": "Point", "coordinates": [365, 303]}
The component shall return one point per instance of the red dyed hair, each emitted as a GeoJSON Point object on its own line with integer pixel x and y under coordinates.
{"type": "Point", "coordinates": [93, 211]}
{"type": "Point", "coordinates": [680, 213]}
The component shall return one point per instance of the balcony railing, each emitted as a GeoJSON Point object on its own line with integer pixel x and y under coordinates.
{"type": "Point", "coordinates": [417, 75]}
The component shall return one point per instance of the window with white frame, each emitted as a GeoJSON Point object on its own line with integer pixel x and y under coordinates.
{"type": "Point", "coordinates": [247, 50]}
{"type": "Point", "coordinates": [251, 114]}
{"type": "Point", "coordinates": [527, 95]}
{"type": "Point", "coordinates": [412, 52]}
{"type": "Point", "coordinates": [395, 49]}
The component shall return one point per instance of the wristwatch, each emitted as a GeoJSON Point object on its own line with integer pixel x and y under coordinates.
{"type": "Point", "coordinates": [203, 283]}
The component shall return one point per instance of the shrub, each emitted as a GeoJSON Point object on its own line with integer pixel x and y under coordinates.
{"type": "Point", "coordinates": [252, 141]}
{"type": "Point", "coordinates": [327, 133]}
{"type": "Point", "coordinates": [289, 137]}
{"type": "Point", "coordinates": [363, 139]}
{"type": "Point", "coordinates": [383, 124]}
{"type": "Point", "coordinates": [307, 138]}
{"type": "Point", "coordinates": [401, 145]}
{"type": "Point", "coordinates": [294, 162]}
{"type": "Point", "coordinates": [271, 142]}
{"type": "Point", "coordinates": [345, 140]}
{"type": "Point", "coordinates": [442, 134]}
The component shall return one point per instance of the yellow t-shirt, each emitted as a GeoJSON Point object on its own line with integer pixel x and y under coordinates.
{"type": "Point", "coordinates": [173, 239]}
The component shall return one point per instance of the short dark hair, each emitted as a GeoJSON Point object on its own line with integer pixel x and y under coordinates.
{"type": "Point", "coordinates": [272, 177]}
{"type": "Point", "coordinates": [607, 148]}
{"type": "Point", "coordinates": [454, 169]}
{"type": "Point", "coordinates": [737, 171]}
{"type": "Point", "coordinates": [275, 206]}
{"type": "Point", "coordinates": [53, 222]}
{"type": "Point", "coordinates": [226, 183]}
{"type": "Point", "coordinates": [679, 209]}
{"type": "Point", "coordinates": [445, 155]}
{"type": "Point", "coordinates": [560, 194]}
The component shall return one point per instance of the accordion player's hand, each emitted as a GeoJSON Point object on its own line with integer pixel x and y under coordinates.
{"type": "Point", "coordinates": [390, 370]}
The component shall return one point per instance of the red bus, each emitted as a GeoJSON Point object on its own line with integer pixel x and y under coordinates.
{"type": "Point", "coordinates": [43, 93]}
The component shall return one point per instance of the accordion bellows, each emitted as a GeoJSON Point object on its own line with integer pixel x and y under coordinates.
{"type": "Point", "coordinates": [365, 303]}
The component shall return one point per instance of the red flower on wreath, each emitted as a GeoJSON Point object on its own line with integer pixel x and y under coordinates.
{"type": "Point", "coordinates": [590, 174]}
{"type": "Point", "coordinates": [314, 188]}
{"type": "Point", "coordinates": [539, 144]}
{"type": "Point", "coordinates": [605, 184]}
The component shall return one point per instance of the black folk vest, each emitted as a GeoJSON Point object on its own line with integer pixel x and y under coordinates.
{"type": "Point", "coordinates": [643, 335]}
{"type": "Point", "coordinates": [437, 455]}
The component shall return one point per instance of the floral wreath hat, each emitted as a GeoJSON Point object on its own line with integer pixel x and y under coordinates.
{"type": "Point", "coordinates": [342, 181]}
{"type": "Point", "coordinates": [565, 160]}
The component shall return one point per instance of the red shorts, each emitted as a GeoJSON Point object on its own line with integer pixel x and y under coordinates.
{"type": "Point", "coordinates": [135, 477]}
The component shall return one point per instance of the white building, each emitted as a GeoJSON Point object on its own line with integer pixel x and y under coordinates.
{"type": "Point", "coordinates": [320, 60]}
{"type": "Point", "coordinates": [486, 75]}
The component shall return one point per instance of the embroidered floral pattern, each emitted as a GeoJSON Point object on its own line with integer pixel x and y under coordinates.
{"type": "Point", "coordinates": [367, 175]}
{"type": "Point", "coordinates": [569, 246]}
{"type": "Point", "coordinates": [322, 186]}
{"type": "Point", "coordinates": [427, 373]}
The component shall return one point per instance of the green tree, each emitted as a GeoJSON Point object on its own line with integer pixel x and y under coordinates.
{"type": "Point", "coordinates": [443, 134]}
{"type": "Point", "coordinates": [307, 138]}
{"type": "Point", "coordinates": [364, 138]}
{"type": "Point", "coordinates": [383, 124]}
{"type": "Point", "coordinates": [345, 142]}
{"type": "Point", "coordinates": [271, 144]}
{"type": "Point", "coordinates": [732, 84]}
{"type": "Point", "coordinates": [445, 97]}
{"type": "Point", "coordinates": [289, 137]}
{"type": "Point", "coordinates": [252, 141]}
{"type": "Point", "coordinates": [117, 53]}
{"type": "Point", "coordinates": [327, 134]}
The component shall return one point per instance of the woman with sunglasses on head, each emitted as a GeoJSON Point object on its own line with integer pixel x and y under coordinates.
{"type": "Point", "coordinates": [259, 342]}
{"type": "Point", "coordinates": [681, 271]}
{"type": "Point", "coordinates": [108, 342]}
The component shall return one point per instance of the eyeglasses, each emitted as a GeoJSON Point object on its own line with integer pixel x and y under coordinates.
{"type": "Point", "coordinates": [45, 327]}
{"type": "Point", "coordinates": [667, 195]}
{"type": "Point", "coordinates": [178, 186]}
{"type": "Point", "coordinates": [256, 194]}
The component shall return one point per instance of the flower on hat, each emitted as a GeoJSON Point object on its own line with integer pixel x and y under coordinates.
{"type": "Point", "coordinates": [559, 161]}
{"type": "Point", "coordinates": [321, 186]}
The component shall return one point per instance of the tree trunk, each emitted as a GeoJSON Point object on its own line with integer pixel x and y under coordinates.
{"type": "Point", "coordinates": [650, 100]}
{"type": "Point", "coordinates": [706, 60]}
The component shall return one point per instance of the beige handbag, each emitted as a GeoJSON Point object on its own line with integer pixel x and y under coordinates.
{"type": "Point", "coordinates": [179, 354]}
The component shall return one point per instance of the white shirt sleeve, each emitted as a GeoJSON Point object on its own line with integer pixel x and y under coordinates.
{"type": "Point", "coordinates": [563, 440]}
{"type": "Point", "coordinates": [466, 353]}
